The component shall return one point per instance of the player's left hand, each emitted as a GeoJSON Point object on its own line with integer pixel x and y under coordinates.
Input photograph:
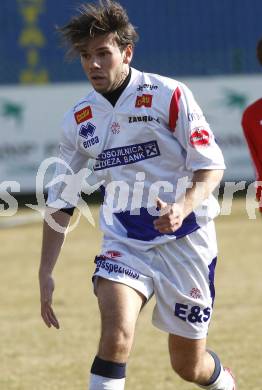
{"type": "Point", "coordinates": [171, 217]}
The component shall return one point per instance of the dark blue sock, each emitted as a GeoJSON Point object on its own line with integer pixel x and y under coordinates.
{"type": "Point", "coordinates": [108, 369]}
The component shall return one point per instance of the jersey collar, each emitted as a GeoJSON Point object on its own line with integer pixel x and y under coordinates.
{"type": "Point", "coordinates": [130, 89]}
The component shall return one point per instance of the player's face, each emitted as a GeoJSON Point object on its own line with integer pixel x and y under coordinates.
{"type": "Point", "coordinates": [105, 65]}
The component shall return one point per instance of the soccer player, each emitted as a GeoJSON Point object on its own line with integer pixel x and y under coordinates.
{"type": "Point", "coordinates": [252, 126]}
{"type": "Point", "coordinates": [145, 137]}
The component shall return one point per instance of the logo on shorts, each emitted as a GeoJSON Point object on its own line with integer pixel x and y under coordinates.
{"type": "Point", "coordinates": [192, 314]}
{"type": "Point", "coordinates": [102, 263]}
{"type": "Point", "coordinates": [144, 101]}
{"type": "Point", "coordinates": [83, 115]}
{"type": "Point", "coordinates": [195, 293]}
{"type": "Point", "coordinates": [113, 254]}
{"type": "Point", "coordinates": [200, 137]}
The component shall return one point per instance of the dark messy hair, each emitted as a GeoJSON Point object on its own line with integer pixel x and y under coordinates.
{"type": "Point", "coordinates": [94, 20]}
{"type": "Point", "coordinates": [259, 51]}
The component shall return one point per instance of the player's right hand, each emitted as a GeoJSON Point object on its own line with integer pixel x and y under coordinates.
{"type": "Point", "coordinates": [171, 217]}
{"type": "Point", "coordinates": [47, 287]}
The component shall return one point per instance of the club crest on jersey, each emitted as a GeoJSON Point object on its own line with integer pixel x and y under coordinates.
{"type": "Point", "coordinates": [83, 115]}
{"type": "Point", "coordinates": [200, 137]}
{"type": "Point", "coordinates": [144, 101]}
{"type": "Point", "coordinates": [115, 128]}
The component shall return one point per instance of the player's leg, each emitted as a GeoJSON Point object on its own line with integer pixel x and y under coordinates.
{"type": "Point", "coordinates": [185, 292]}
{"type": "Point", "coordinates": [192, 362]}
{"type": "Point", "coordinates": [119, 306]}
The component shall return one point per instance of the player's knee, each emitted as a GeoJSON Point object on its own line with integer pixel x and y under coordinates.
{"type": "Point", "coordinates": [187, 371]}
{"type": "Point", "coordinates": [116, 344]}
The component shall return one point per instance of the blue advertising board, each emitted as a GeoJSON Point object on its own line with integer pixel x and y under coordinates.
{"type": "Point", "coordinates": [189, 37]}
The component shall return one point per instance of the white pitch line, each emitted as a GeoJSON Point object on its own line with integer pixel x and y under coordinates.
{"type": "Point", "coordinates": [20, 220]}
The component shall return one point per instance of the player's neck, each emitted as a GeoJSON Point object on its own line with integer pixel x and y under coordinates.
{"type": "Point", "coordinates": [114, 95]}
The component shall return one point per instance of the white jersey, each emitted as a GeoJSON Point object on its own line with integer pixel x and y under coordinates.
{"type": "Point", "coordinates": [149, 144]}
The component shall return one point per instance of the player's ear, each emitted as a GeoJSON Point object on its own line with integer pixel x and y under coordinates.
{"type": "Point", "coordinates": [128, 54]}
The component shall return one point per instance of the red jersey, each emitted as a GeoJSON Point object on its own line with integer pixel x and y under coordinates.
{"type": "Point", "coordinates": [252, 126]}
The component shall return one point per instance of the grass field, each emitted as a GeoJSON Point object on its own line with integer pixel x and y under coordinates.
{"type": "Point", "coordinates": [34, 357]}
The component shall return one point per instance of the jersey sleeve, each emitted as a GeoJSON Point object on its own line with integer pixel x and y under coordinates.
{"type": "Point", "coordinates": [65, 187]}
{"type": "Point", "coordinates": [190, 128]}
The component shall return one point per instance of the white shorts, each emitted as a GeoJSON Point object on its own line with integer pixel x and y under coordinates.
{"type": "Point", "coordinates": [180, 273]}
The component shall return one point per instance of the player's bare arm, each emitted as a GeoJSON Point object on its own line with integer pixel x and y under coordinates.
{"type": "Point", "coordinates": [51, 246]}
{"type": "Point", "coordinates": [203, 184]}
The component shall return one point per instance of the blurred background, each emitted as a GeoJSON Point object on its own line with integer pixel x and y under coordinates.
{"type": "Point", "coordinates": [209, 45]}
